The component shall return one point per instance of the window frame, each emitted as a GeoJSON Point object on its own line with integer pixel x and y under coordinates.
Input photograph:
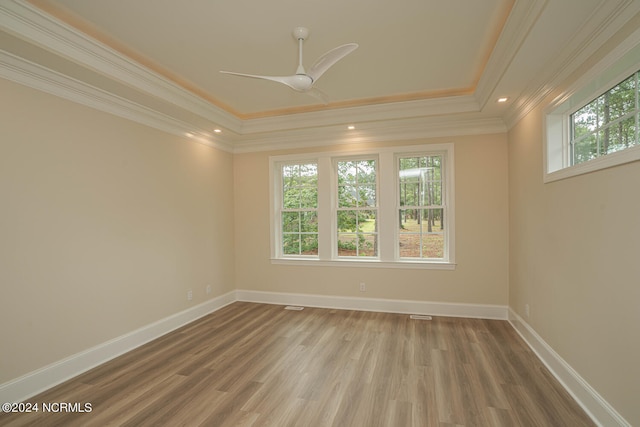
{"type": "Point", "coordinates": [282, 209]}
{"type": "Point", "coordinates": [337, 208]}
{"type": "Point", "coordinates": [609, 72]}
{"type": "Point", "coordinates": [444, 205]}
{"type": "Point", "coordinates": [387, 215]}
{"type": "Point", "coordinates": [601, 126]}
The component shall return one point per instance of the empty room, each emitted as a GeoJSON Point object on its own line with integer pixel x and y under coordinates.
{"type": "Point", "coordinates": [293, 213]}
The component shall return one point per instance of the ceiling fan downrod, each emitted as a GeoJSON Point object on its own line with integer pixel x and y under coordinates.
{"type": "Point", "coordinates": [300, 34]}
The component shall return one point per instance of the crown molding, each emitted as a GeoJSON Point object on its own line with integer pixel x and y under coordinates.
{"type": "Point", "coordinates": [33, 75]}
{"type": "Point", "coordinates": [604, 22]}
{"type": "Point", "coordinates": [522, 18]}
{"type": "Point", "coordinates": [371, 132]}
{"type": "Point", "coordinates": [35, 26]}
{"type": "Point", "coordinates": [368, 113]}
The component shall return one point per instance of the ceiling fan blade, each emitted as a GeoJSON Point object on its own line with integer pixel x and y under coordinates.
{"type": "Point", "coordinates": [279, 79]}
{"type": "Point", "coordinates": [299, 82]}
{"type": "Point", "coordinates": [319, 95]}
{"type": "Point", "coordinates": [328, 59]}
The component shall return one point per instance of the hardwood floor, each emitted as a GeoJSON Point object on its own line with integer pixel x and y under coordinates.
{"type": "Point", "coordinates": [260, 365]}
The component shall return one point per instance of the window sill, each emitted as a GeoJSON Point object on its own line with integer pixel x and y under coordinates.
{"type": "Point", "coordinates": [425, 265]}
{"type": "Point", "coordinates": [627, 155]}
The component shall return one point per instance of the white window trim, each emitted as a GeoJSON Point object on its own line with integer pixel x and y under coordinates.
{"type": "Point", "coordinates": [334, 201]}
{"type": "Point", "coordinates": [619, 64]}
{"type": "Point", "coordinates": [448, 254]}
{"type": "Point", "coordinates": [275, 200]}
{"type": "Point", "coordinates": [387, 205]}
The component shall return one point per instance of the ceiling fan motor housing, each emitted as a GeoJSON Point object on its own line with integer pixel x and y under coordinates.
{"type": "Point", "coordinates": [300, 82]}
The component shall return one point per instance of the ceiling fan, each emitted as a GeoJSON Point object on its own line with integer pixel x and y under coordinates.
{"type": "Point", "coordinates": [303, 81]}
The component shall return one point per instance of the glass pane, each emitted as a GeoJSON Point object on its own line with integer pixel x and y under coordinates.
{"type": "Point", "coordinates": [290, 222]}
{"type": "Point", "coordinates": [308, 222]}
{"type": "Point", "coordinates": [621, 135]}
{"type": "Point", "coordinates": [308, 175]}
{"type": "Point", "coordinates": [409, 193]}
{"type": "Point", "coordinates": [619, 101]}
{"type": "Point", "coordinates": [347, 196]}
{"type": "Point", "coordinates": [289, 172]}
{"type": "Point", "coordinates": [291, 244]}
{"type": "Point", "coordinates": [346, 173]}
{"type": "Point", "coordinates": [309, 197]}
{"type": "Point", "coordinates": [291, 198]}
{"type": "Point", "coordinates": [410, 175]}
{"type": "Point", "coordinates": [367, 221]}
{"type": "Point", "coordinates": [431, 220]}
{"type": "Point", "coordinates": [356, 188]}
{"type": "Point", "coordinates": [309, 244]}
{"type": "Point", "coordinates": [299, 186]}
{"type": "Point", "coordinates": [409, 163]}
{"type": "Point", "coordinates": [421, 233]}
{"type": "Point", "coordinates": [410, 220]}
{"type": "Point", "coordinates": [366, 172]}
{"type": "Point", "coordinates": [433, 245]}
{"type": "Point", "coordinates": [409, 245]}
{"type": "Point", "coordinates": [367, 195]}
{"type": "Point", "coordinates": [434, 193]}
{"type": "Point", "coordinates": [585, 149]}
{"type": "Point", "coordinates": [585, 120]}
{"type": "Point", "coordinates": [347, 245]}
{"type": "Point", "coordinates": [347, 221]}
{"type": "Point", "coordinates": [367, 245]}
{"type": "Point", "coordinates": [420, 181]}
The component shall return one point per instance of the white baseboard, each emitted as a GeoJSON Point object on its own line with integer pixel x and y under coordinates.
{"type": "Point", "coordinates": [44, 378]}
{"type": "Point", "coordinates": [600, 411]}
{"type": "Point", "coordinates": [374, 304]}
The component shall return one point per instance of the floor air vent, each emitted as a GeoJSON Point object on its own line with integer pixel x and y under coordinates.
{"type": "Point", "coordinates": [420, 317]}
{"type": "Point", "coordinates": [294, 308]}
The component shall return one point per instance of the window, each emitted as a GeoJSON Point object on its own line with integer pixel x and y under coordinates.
{"type": "Point", "coordinates": [421, 208]}
{"type": "Point", "coordinates": [596, 123]}
{"type": "Point", "coordinates": [389, 207]}
{"type": "Point", "coordinates": [357, 208]}
{"type": "Point", "coordinates": [607, 124]}
{"type": "Point", "coordinates": [299, 209]}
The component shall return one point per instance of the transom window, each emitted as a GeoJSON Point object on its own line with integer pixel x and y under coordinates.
{"type": "Point", "coordinates": [388, 207]}
{"type": "Point", "coordinates": [607, 124]}
{"type": "Point", "coordinates": [595, 124]}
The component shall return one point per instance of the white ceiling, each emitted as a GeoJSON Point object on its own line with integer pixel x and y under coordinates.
{"type": "Point", "coordinates": [433, 60]}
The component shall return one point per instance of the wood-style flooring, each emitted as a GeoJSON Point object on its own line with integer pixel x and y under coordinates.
{"type": "Point", "coordinates": [260, 365]}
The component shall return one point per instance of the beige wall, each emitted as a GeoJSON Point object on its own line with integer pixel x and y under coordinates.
{"type": "Point", "coordinates": [481, 236]}
{"type": "Point", "coordinates": [104, 226]}
{"type": "Point", "coordinates": [575, 259]}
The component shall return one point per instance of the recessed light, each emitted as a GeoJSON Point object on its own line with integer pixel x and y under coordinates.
{"type": "Point", "coordinates": [351, 127]}
{"type": "Point", "coordinates": [217, 130]}
{"type": "Point", "coordinates": [503, 99]}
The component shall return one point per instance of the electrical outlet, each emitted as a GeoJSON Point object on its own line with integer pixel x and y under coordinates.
{"type": "Point", "coordinates": [208, 289]}
{"type": "Point", "coordinates": [526, 310]}
{"type": "Point", "coordinates": [363, 287]}
{"type": "Point", "coordinates": [189, 295]}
